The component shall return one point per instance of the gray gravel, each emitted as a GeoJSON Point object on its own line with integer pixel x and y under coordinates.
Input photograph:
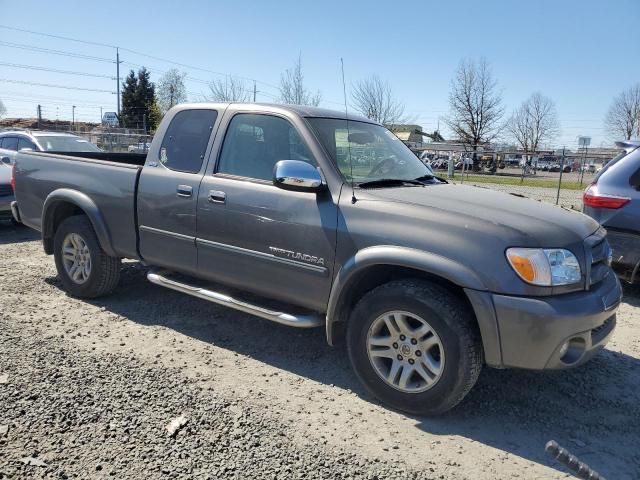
{"type": "Point", "coordinates": [106, 415]}
{"type": "Point", "coordinates": [89, 388]}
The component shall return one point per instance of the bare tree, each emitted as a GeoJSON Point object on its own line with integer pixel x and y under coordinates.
{"type": "Point", "coordinates": [292, 89]}
{"type": "Point", "coordinates": [3, 109]}
{"type": "Point", "coordinates": [170, 89]}
{"type": "Point", "coordinates": [475, 104]}
{"type": "Point", "coordinates": [534, 123]}
{"type": "Point", "coordinates": [229, 89]}
{"type": "Point", "coordinates": [623, 117]}
{"type": "Point", "coordinates": [373, 98]}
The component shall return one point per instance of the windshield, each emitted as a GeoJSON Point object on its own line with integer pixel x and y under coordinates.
{"type": "Point", "coordinates": [376, 153]}
{"type": "Point", "coordinates": [56, 143]}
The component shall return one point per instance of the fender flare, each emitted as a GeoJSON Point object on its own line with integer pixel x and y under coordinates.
{"type": "Point", "coordinates": [83, 202]}
{"type": "Point", "coordinates": [406, 257]}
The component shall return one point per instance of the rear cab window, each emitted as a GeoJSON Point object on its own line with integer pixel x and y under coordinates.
{"type": "Point", "coordinates": [185, 142]}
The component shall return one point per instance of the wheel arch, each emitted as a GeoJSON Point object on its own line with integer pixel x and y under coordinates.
{"type": "Point", "coordinates": [63, 203]}
{"type": "Point", "coordinates": [375, 266]}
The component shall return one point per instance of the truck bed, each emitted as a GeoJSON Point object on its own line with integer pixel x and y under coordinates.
{"type": "Point", "coordinates": [109, 180]}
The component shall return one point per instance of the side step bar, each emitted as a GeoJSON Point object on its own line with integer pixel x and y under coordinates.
{"type": "Point", "coordinates": [300, 321]}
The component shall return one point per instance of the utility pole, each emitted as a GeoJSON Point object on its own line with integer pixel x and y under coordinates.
{"type": "Point", "coordinates": [254, 91]}
{"type": "Point", "coordinates": [100, 115]}
{"type": "Point", "coordinates": [118, 62]}
{"type": "Point", "coordinates": [73, 116]}
{"type": "Point", "coordinates": [39, 115]}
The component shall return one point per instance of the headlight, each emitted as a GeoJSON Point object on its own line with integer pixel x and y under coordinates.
{"type": "Point", "coordinates": [545, 267]}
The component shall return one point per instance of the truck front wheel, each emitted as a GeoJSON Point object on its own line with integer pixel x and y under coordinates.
{"type": "Point", "coordinates": [85, 270]}
{"type": "Point", "coordinates": [415, 346]}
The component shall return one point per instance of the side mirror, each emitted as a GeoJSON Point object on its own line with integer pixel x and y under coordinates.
{"type": "Point", "coordinates": [6, 161]}
{"type": "Point", "coordinates": [297, 175]}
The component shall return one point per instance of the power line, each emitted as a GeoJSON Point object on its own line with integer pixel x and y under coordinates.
{"type": "Point", "coordinates": [22, 82]}
{"type": "Point", "coordinates": [87, 42]}
{"type": "Point", "coordinates": [33, 48]}
{"type": "Point", "coordinates": [54, 70]}
{"type": "Point", "coordinates": [135, 52]}
{"type": "Point", "coordinates": [43, 102]}
{"type": "Point", "coordinates": [44, 97]}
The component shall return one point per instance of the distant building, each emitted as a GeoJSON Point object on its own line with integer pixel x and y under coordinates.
{"type": "Point", "coordinates": [413, 136]}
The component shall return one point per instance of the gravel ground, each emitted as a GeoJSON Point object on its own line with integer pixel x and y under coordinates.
{"type": "Point", "coordinates": [88, 388]}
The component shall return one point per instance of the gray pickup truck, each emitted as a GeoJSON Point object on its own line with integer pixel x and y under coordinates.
{"type": "Point", "coordinates": [309, 217]}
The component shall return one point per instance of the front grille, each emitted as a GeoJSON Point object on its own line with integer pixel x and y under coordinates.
{"type": "Point", "coordinates": [598, 253]}
{"type": "Point", "coordinates": [5, 190]}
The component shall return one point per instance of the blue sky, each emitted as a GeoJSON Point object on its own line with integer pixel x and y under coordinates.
{"type": "Point", "coordinates": [580, 53]}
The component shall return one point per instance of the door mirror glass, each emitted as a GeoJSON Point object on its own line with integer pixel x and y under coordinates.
{"type": "Point", "coordinates": [297, 175]}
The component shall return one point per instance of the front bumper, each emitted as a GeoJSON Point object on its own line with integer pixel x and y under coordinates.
{"type": "Point", "coordinates": [626, 254]}
{"type": "Point", "coordinates": [533, 330]}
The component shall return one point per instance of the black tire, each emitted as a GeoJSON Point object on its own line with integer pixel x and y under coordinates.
{"type": "Point", "coordinates": [105, 270]}
{"type": "Point", "coordinates": [448, 316]}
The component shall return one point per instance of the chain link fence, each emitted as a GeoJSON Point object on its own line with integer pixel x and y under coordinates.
{"type": "Point", "coordinates": [557, 177]}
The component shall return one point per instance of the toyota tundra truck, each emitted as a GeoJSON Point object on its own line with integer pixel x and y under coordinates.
{"type": "Point", "coordinates": [315, 218]}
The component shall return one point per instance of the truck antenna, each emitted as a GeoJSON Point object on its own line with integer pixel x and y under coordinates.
{"type": "Point", "coordinates": [346, 114]}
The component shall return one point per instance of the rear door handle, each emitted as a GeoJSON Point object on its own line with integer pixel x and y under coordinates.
{"type": "Point", "coordinates": [184, 191]}
{"type": "Point", "coordinates": [216, 196]}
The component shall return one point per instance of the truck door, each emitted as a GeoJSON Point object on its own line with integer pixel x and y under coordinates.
{"type": "Point", "coordinates": [168, 190]}
{"type": "Point", "coordinates": [256, 236]}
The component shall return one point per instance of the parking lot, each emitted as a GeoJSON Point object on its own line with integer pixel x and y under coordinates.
{"type": "Point", "coordinates": [89, 387]}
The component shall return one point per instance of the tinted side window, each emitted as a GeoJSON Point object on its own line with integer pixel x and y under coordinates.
{"type": "Point", "coordinates": [254, 143]}
{"type": "Point", "coordinates": [185, 141]}
{"type": "Point", "coordinates": [10, 143]}
{"type": "Point", "coordinates": [25, 143]}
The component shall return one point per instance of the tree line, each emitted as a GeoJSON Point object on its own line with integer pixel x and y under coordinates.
{"type": "Point", "coordinates": [476, 116]}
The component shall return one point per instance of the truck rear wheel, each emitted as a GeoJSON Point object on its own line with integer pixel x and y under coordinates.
{"type": "Point", "coordinates": [415, 346]}
{"type": "Point", "coordinates": [85, 270]}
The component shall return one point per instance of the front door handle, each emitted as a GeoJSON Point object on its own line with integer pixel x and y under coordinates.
{"type": "Point", "coordinates": [184, 191]}
{"type": "Point", "coordinates": [216, 196]}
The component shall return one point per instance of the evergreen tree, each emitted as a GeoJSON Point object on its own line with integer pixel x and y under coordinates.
{"type": "Point", "coordinates": [139, 103]}
{"type": "Point", "coordinates": [146, 96]}
{"type": "Point", "coordinates": [128, 117]}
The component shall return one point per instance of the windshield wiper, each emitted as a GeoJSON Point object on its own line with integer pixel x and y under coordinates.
{"type": "Point", "coordinates": [430, 177]}
{"type": "Point", "coordinates": [390, 182]}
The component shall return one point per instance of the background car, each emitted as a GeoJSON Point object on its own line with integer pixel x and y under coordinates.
{"type": "Point", "coordinates": [143, 147]}
{"type": "Point", "coordinates": [13, 141]}
{"type": "Point", "coordinates": [613, 199]}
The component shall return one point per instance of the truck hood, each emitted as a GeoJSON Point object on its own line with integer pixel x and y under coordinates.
{"type": "Point", "coordinates": [543, 224]}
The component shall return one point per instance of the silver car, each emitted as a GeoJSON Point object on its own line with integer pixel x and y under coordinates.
{"type": "Point", "coordinates": [13, 141]}
{"type": "Point", "coordinates": [613, 199]}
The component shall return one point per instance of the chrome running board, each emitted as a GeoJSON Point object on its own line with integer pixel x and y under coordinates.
{"type": "Point", "coordinates": [300, 321]}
